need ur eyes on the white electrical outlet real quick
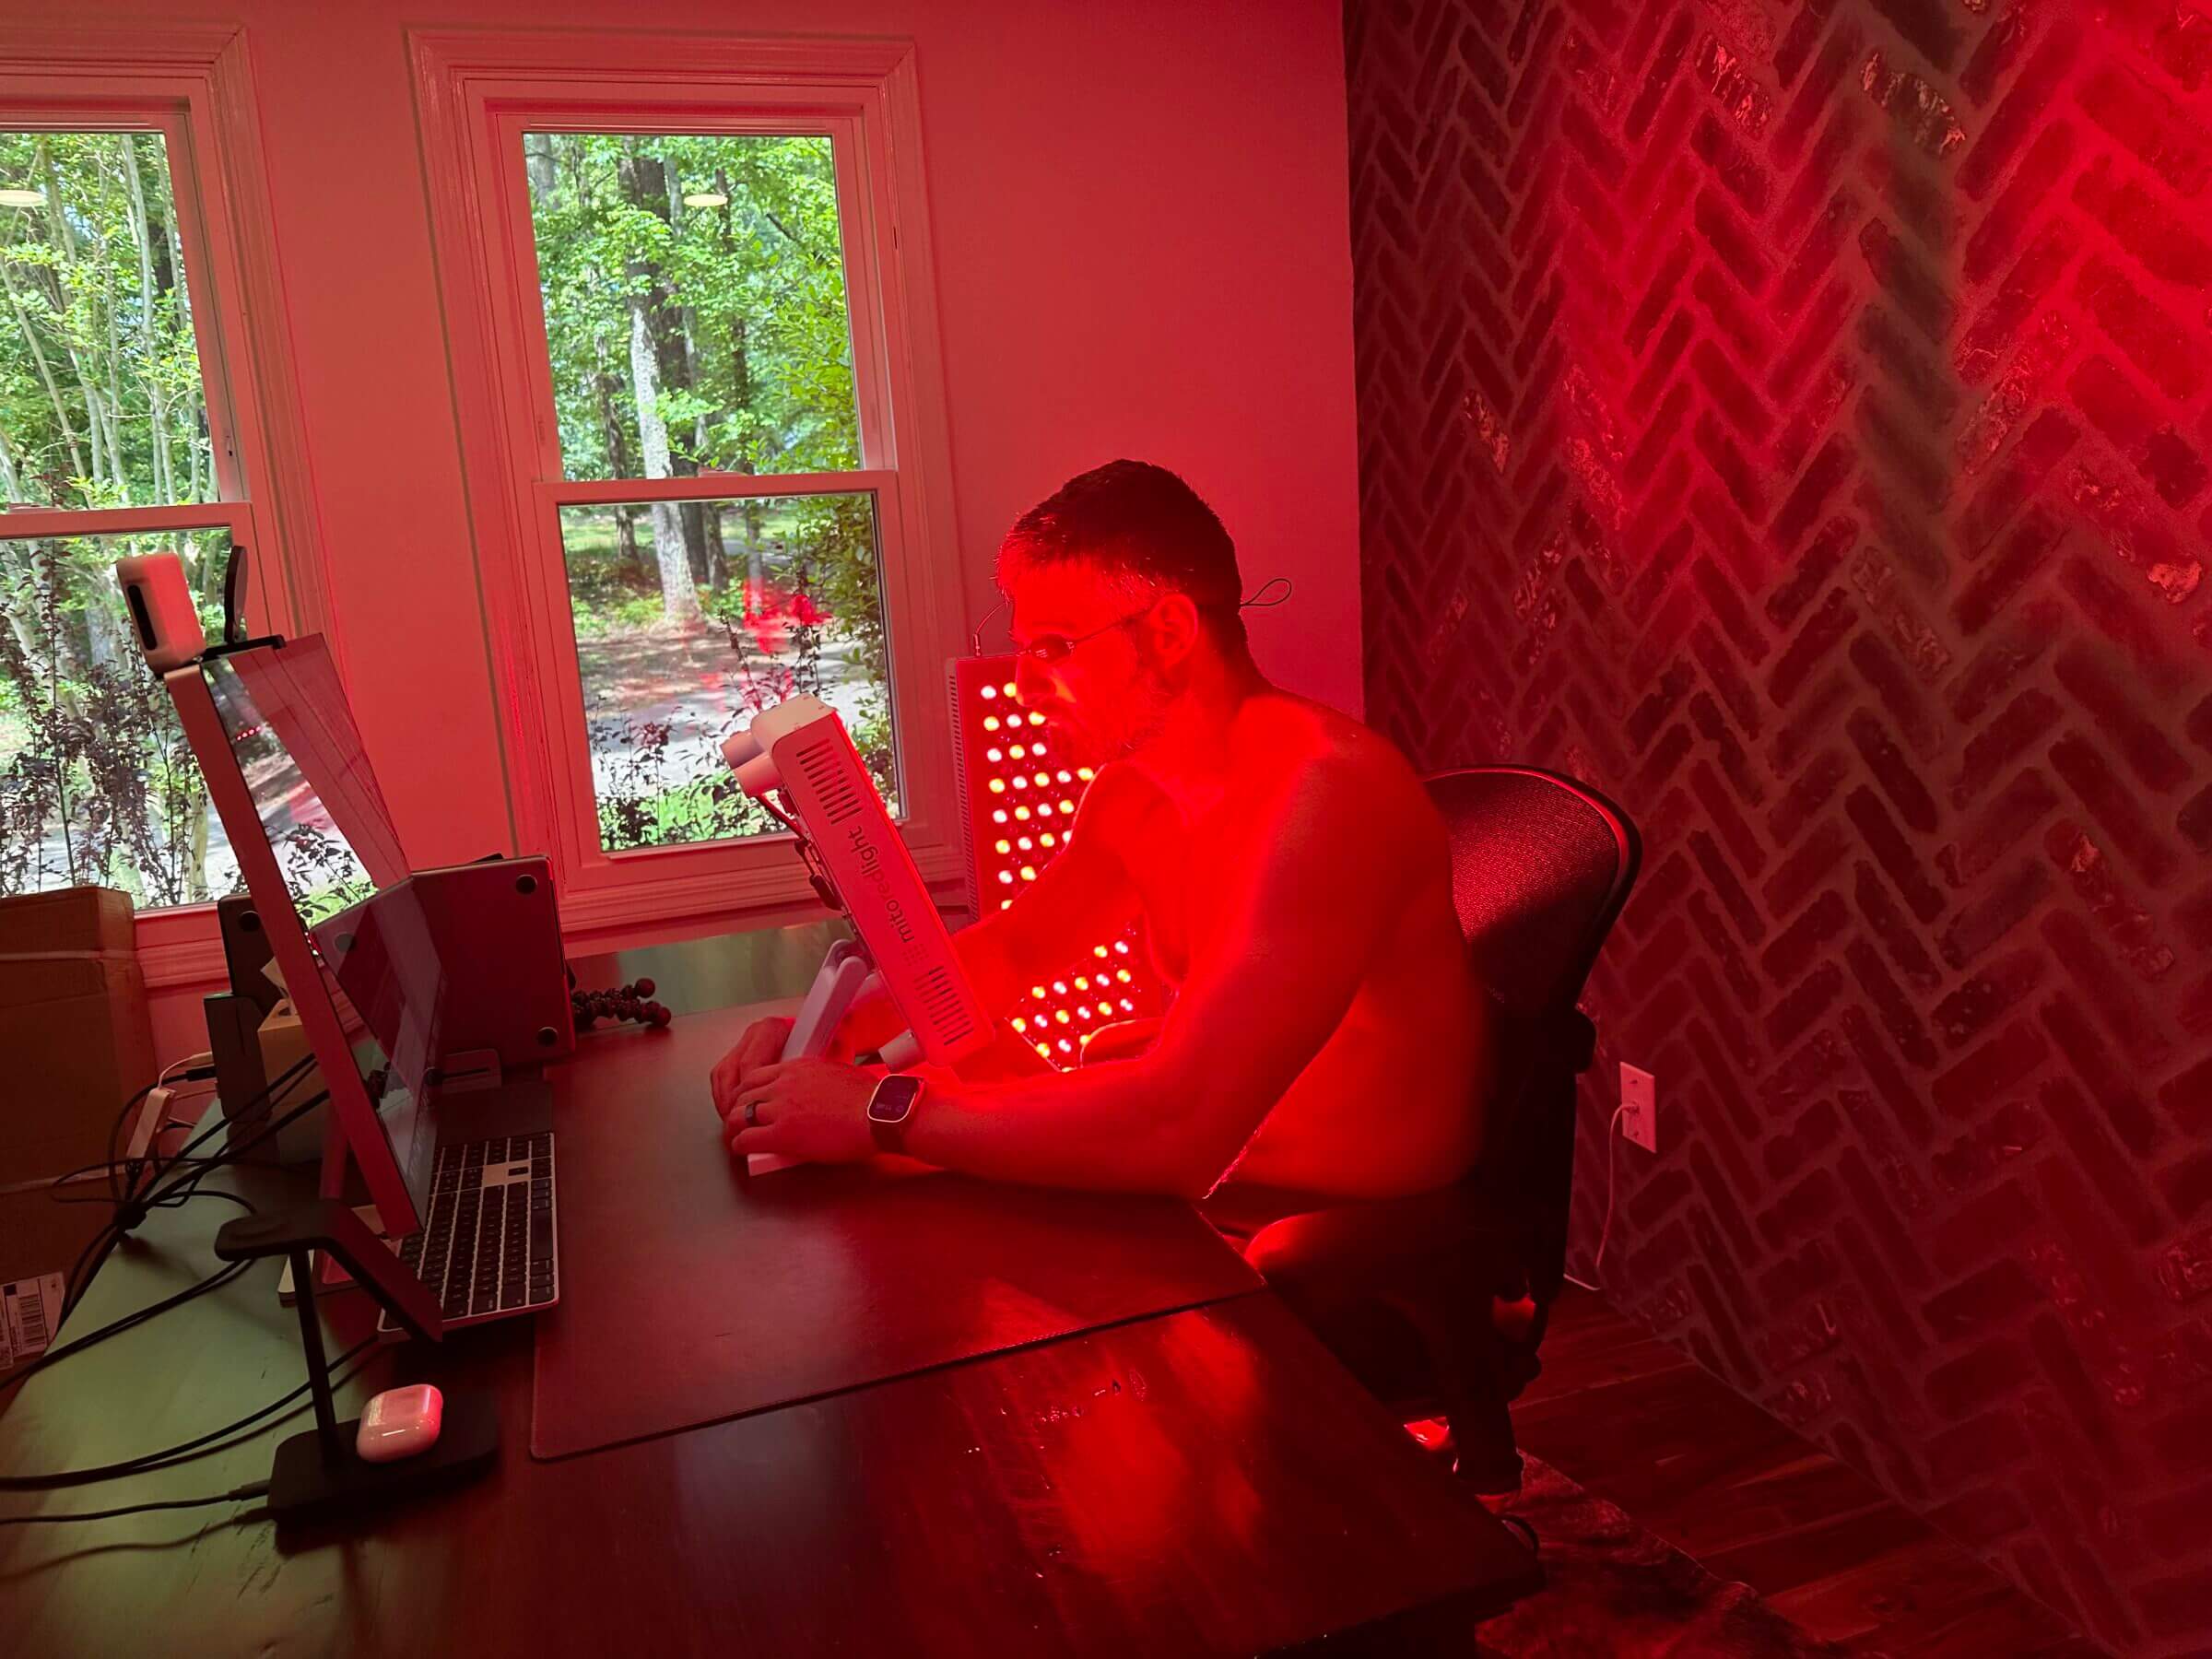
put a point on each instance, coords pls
(1640, 1107)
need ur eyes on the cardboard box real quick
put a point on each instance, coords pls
(75, 918)
(40, 1240)
(78, 1045)
(74, 1038)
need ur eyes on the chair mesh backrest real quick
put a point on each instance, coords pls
(1540, 866)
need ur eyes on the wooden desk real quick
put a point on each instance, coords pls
(1208, 1481)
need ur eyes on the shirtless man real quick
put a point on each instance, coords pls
(1326, 1037)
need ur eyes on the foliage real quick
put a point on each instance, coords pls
(745, 299)
(101, 788)
(100, 406)
(686, 336)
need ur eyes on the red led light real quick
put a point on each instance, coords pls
(1011, 843)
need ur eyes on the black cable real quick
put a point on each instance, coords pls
(235, 1495)
(187, 1186)
(214, 1281)
(130, 1212)
(147, 1461)
(266, 1100)
(133, 1211)
(129, 1166)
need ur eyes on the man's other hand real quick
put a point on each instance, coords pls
(762, 1045)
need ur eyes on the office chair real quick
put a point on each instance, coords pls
(1438, 1301)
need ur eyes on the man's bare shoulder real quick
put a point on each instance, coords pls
(1291, 746)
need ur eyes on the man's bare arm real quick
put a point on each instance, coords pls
(1329, 862)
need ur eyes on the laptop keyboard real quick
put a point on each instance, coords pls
(488, 1246)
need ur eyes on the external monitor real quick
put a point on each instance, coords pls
(275, 739)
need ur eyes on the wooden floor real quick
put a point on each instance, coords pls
(1633, 1421)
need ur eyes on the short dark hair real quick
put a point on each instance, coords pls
(1135, 519)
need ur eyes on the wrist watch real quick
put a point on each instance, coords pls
(891, 1108)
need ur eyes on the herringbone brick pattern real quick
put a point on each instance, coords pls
(1794, 418)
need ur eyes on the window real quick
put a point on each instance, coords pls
(114, 440)
(688, 303)
(693, 303)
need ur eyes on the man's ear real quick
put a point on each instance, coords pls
(1174, 626)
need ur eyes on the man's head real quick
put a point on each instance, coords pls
(1122, 585)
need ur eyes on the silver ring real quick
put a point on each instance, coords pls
(752, 1114)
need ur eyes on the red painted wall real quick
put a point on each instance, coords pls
(1794, 418)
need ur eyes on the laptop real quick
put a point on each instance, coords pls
(385, 967)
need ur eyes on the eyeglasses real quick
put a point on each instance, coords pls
(1057, 648)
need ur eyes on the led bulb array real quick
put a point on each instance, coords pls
(1021, 797)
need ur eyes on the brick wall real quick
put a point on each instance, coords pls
(1794, 418)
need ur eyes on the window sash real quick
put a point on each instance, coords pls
(183, 116)
(191, 83)
(571, 741)
(518, 231)
(479, 92)
(173, 122)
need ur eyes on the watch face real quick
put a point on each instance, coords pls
(893, 1099)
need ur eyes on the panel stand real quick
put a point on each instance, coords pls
(845, 975)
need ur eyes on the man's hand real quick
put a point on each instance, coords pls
(815, 1110)
(762, 1045)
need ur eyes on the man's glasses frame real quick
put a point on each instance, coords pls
(1055, 648)
(1058, 648)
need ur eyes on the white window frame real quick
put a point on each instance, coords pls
(193, 85)
(479, 92)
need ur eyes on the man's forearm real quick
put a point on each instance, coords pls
(1125, 1127)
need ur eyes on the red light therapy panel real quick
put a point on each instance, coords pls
(1020, 801)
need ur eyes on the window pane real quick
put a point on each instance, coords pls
(759, 599)
(100, 398)
(694, 292)
(97, 784)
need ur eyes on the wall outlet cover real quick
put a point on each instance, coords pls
(1640, 1107)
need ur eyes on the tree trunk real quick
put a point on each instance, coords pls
(679, 598)
(741, 377)
(671, 325)
(717, 556)
(165, 483)
(11, 481)
(114, 339)
(199, 447)
(538, 164)
(604, 387)
(645, 182)
(38, 356)
(196, 868)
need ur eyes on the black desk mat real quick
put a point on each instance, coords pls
(691, 1294)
